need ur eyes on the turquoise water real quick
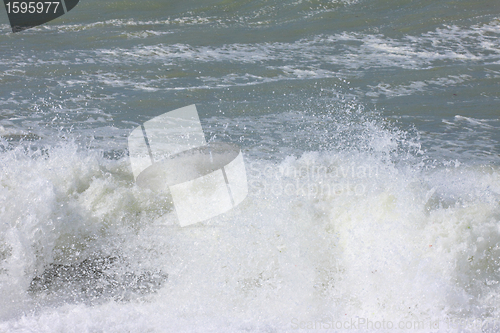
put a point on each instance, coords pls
(371, 142)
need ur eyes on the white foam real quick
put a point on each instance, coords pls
(342, 234)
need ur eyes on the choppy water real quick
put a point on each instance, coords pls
(370, 134)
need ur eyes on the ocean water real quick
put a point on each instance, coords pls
(370, 132)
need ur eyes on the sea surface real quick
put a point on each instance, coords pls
(370, 131)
